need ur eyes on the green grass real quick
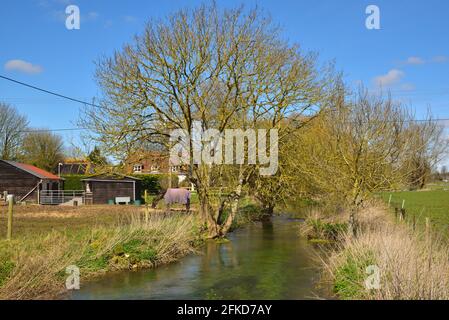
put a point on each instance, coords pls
(440, 185)
(350, 276)
(421, 204)
(326, 231)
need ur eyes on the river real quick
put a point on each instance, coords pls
(261, 261)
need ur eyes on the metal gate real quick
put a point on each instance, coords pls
(62, 197)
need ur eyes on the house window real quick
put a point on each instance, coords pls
(137, 168)
(174, 169)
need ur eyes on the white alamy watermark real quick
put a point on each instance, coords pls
(72, 282)
(211, 146)
(372, 22)
(73, 20)
(372, 282)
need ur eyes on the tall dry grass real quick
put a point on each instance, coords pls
(37, 263)
(412, 265)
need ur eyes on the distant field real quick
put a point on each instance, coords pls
(433, 204)
(438, 186)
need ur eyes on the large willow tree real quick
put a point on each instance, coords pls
(223, 68)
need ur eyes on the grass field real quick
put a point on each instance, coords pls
(433, 203)
(97, 239)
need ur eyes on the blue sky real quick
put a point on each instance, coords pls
(409, 55)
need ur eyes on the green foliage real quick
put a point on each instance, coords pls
(73, 182)
(150, 182)
(96, 157)
(421, 204)
(43, 150)
(6, 268)
(91, 260)
(136, 251)
(325, 230)
(350, 276)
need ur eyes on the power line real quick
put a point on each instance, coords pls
(98, 106)
(52, 130)
(51, 92)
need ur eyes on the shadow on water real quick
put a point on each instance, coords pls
(266, 260)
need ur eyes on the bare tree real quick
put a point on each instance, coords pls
(225, 69)
(371, 144)
(12, 127)
(430, 147)
(43, 149)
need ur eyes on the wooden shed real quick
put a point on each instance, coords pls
(26, 182)
(105, 187)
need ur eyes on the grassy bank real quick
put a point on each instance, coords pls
(33, 266)
(96, 239)
(411, 264)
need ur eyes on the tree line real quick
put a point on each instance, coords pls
(39, 147)
(19, 142)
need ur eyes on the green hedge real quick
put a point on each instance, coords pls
(151, 182)
(155, 182)
(73, 182)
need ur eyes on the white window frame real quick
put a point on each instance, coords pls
(137, 168)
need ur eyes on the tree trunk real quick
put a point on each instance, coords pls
(352, 224)
(206, 216)
(234, 205)
(269, 209)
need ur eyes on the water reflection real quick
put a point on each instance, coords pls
(262, 261)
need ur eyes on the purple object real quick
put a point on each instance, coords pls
(181, 196)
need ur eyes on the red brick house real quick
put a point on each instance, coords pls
(154, 162)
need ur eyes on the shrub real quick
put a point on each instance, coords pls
(73, 182)
(325, 230)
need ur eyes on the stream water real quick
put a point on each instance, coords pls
(261, 261)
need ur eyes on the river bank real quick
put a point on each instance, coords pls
(387, 260)
(97, 240)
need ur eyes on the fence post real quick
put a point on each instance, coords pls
(414, 222)
(389, 200)
(10, 211)
(403, 203)
(146, 206)
(402, 214)
(427, 226)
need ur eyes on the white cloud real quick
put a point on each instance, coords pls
(392, 77)
(23, 66)
(419, 60)
(415, 60)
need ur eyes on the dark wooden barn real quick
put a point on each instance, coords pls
(25, 181)
(103, 188)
